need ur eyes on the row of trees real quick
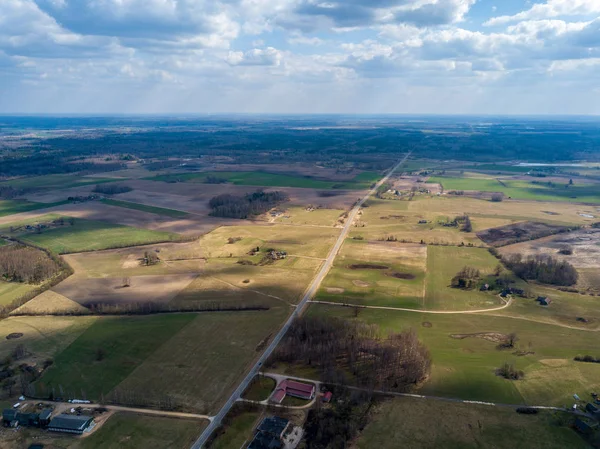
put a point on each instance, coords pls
(234, 206)
(19, 263)
(544, 269)
(337, 347)
(112, 188)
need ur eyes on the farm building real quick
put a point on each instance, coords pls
(544, 301)
(327, 397)
(13, 418)
(70, 423)
(584, 427)
(270, 433)
(593, 410)
(292, 388)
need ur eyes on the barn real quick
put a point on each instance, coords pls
(70, 423)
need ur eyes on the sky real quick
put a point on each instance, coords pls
(300, 56)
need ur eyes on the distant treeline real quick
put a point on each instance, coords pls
(234, 206)
(112, 188)
(544, 269)
(47, 164)
(20, 263)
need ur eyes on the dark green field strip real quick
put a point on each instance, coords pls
(49, 182)
(83, 235)
(144, 208)
(107, 352)
(361, 181)
(10, 207)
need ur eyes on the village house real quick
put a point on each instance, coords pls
(295, 389)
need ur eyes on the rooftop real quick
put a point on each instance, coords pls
(70, 422)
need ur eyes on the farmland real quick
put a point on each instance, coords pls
(144, 208)
(464, 365)
(10, 207)
(82, 235)
(51, 182)
(523, 190)
(264, 179)
(406, 422)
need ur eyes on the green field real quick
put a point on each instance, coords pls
(9, 291)
(465, 368)
(260, 389)
(200, 365)
(237, 431)
(144, 208)
(523, 190)
(10, 207)
(376, 287)
(443, 262)
(407, 422)
(125, 342)
(361, 181)
(128, 431)
(86, 235)
(61, 181)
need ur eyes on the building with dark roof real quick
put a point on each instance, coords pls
(70, 423)
(45, 416)
(584, 427)
(270, 433)
(14, 418)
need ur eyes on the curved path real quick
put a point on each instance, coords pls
(400, 309)
(310, 292)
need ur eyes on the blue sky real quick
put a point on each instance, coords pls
(300, 56)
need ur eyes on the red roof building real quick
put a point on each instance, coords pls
(295, 389)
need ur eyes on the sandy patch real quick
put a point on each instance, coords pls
(360, 283)
(142, 289)
(555, 362)
(495, 337)
(335, 290)
(131, 262)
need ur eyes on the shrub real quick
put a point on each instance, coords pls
(508, 371)
(466, 278)
(497, 197)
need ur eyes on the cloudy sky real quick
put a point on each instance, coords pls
(300, 56)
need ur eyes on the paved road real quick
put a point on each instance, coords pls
(216, 421)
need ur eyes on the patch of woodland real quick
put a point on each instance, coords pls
(112, 188)
(587, 359)
(251, 204)
(354, 353)
(542, 268)
(24, 264)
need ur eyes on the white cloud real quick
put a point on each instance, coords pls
(256, 57)
(550, 9)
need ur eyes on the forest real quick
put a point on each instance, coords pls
(545, 269)
(234, 206)
(339, 348)
(19, 263)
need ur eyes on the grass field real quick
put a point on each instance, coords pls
(443, 262)
(9, 291)
(307, 241)
(125, 342)
(237, 432)
(301, 216)
(361, 181)
(406, 422)
(10, 207)
(260, 389)
(42, 336)
(50, 302)
(86, 235)
(128, 431)
(465, 368)
(61, 181)
(523, 190)
(144, 208)
(201, 364)
(369, 286)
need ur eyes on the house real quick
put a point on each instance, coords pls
(14, 418)
(70, 423)
(593, 410)
(9, 417)
(327, 396)
(270, 433)
(292, 388)
(45, 416)
(544, 301)
(584, 427)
